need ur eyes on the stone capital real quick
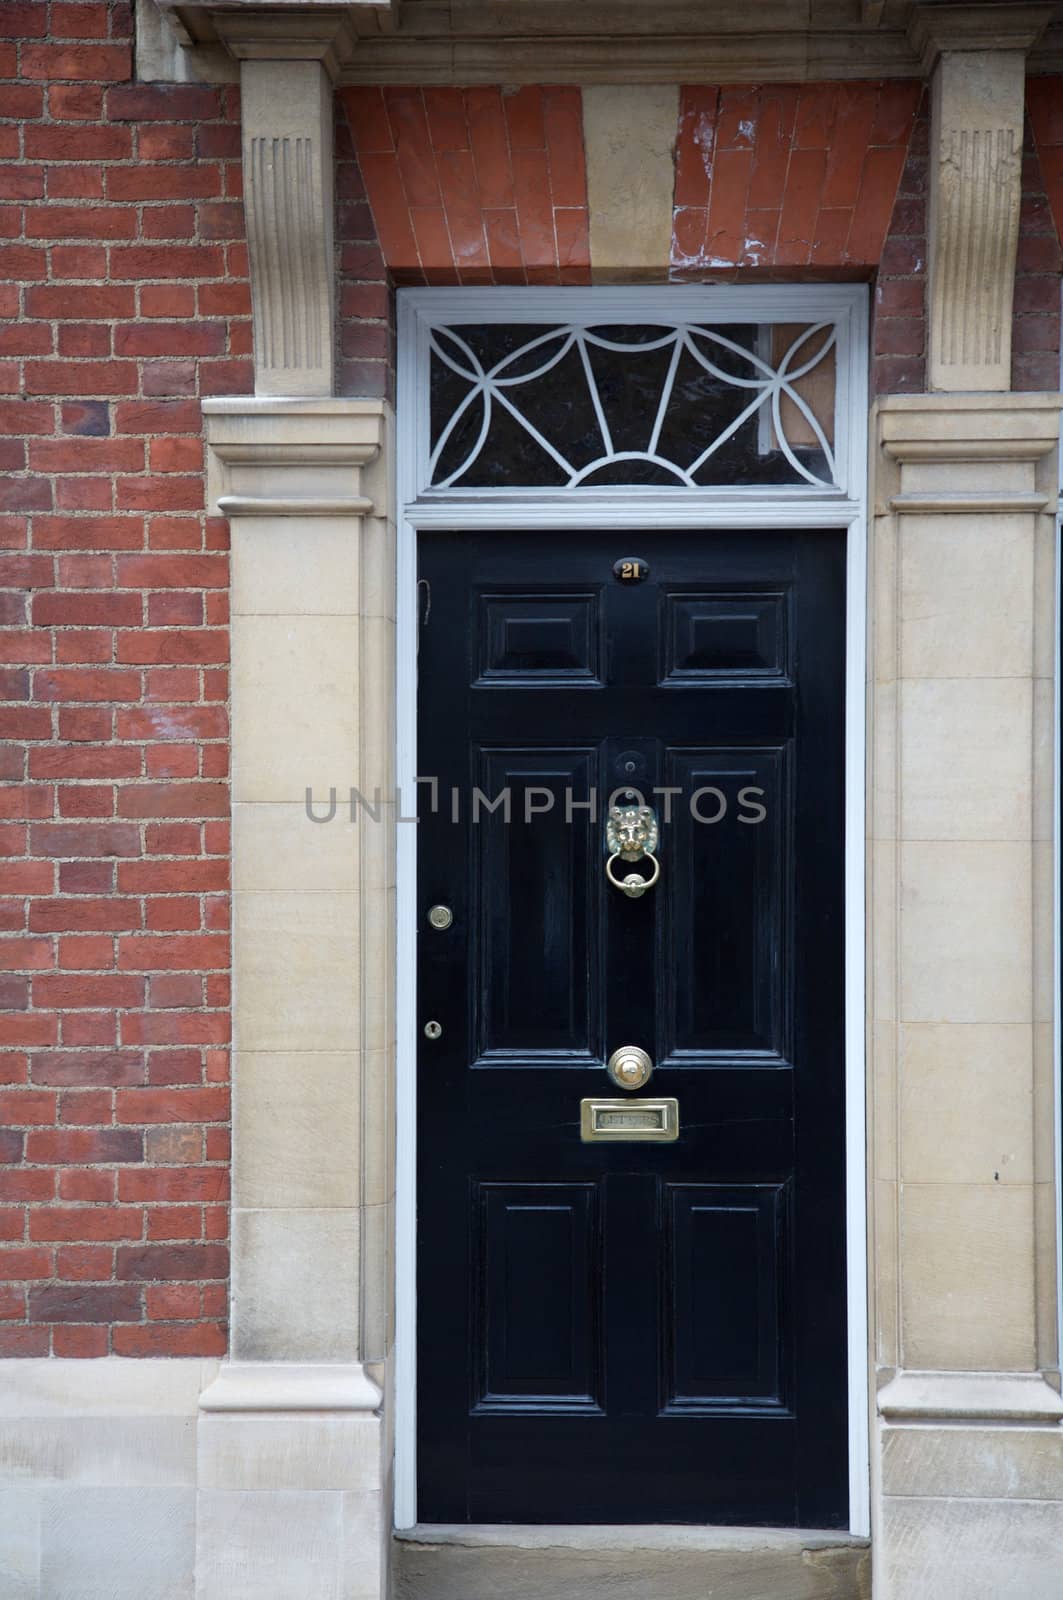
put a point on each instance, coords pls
(283, 30)
(294, 457)
(936, 29)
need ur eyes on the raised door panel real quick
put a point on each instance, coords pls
(726, 908)
(536, 908)
(711, 635)
(538, 1313)
(724, 1338)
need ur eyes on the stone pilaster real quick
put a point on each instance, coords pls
(291, 1442)
(960, 928)
(977, 57)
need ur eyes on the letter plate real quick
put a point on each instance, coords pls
(604, 1121)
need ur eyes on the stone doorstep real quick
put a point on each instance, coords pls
(439, 1562)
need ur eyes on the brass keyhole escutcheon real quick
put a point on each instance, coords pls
(629, 1067)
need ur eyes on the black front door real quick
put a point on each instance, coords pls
(614, 1331)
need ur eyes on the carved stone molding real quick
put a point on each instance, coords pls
(594, 41)
(970, 1396)
(300, 458)
(975, 195)
(935, 27)
(288, 195)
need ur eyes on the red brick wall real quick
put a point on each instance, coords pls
(125, 300)
(1035, 330)
(898, 309)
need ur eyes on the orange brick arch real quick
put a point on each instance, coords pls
(788, 176)
(475, 186)
(484, 185)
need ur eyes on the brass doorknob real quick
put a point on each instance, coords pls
(629, 1067)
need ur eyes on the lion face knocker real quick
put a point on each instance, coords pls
(631, 834)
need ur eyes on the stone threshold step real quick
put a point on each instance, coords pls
(504, 1562)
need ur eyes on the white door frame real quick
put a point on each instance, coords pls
(758, 510)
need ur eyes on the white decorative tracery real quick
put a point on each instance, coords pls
(767, 384)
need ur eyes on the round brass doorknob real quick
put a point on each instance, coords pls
(629, 1067)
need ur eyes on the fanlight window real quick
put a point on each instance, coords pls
(681, 405)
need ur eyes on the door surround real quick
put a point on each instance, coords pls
(755, 509)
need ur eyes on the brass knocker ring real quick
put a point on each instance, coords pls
(633, 885)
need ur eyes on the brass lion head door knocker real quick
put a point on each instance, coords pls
(631, 834)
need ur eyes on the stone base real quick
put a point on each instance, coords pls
(599, 1563)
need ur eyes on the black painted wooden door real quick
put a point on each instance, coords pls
(632, 1332)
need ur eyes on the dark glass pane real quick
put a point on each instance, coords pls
(611, 405)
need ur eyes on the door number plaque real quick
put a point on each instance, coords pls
(636, 1121)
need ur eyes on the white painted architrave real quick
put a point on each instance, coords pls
(757, 509)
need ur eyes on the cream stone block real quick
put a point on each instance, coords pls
(967, 1277)
(629, 132)
(1046, 1266)
(1045, 590)
(965, 932)
(994, 477)
(277, 1545)
(20, 1544)
(1045, 1155)
(882, 1095)
(884, 750)
(295, 1285)
(958, 1462)
(966, 594)
(378, 969)
(308, 1452)
(966, 758)
(377, 705)
(145, 1451)
(378, 1278)
(1044, 749)
(296, 961)
(378, 1166)
(966, 1102)
(377, 839)
(296, 1130)
(109, 1386)
(885, 1228)
(295, 705)
(117, 1544)
(1045, 974)
(969, 1550)
(883, 621)
(296, 566)
(882, 925)
(366, 1536)
(378, 565)
(283, 847)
